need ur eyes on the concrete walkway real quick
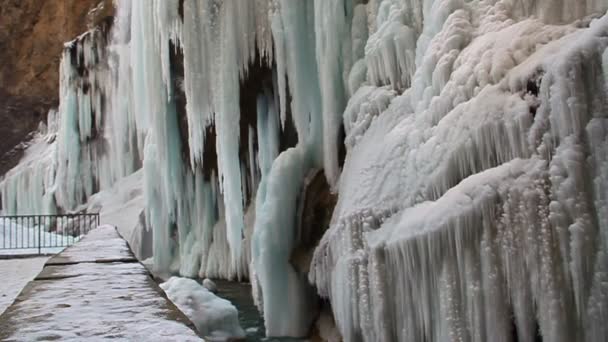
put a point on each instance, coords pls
(94, 290)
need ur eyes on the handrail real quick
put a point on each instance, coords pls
(46, 233)
(50, 215)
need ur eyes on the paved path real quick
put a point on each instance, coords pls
(15, 274)
(94, 290)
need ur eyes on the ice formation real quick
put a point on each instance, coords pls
(471, 209)
(215, 318)
(466, 141)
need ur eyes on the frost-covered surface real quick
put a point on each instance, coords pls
(443, 104)
(473, 208)
(15, 274)
(215, 318)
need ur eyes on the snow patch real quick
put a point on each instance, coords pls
(215, 318)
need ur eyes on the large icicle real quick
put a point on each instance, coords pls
(276, 280)
(334, 57)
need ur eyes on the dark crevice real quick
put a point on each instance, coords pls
(515, 331)
(176, 58)
(180, 9)
(533, 89)
(533, 110)
(289, 135)
(257, 79)
(316, 204)
(341, 146)
(85, 87)
(209, 153)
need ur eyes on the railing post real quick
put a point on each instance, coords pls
(20, 230)
(39, 239)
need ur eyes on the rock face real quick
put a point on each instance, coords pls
(32, 34)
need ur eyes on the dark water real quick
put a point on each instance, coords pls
(249, 316)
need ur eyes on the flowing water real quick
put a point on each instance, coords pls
(249, 316)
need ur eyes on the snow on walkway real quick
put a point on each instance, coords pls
(95, 290)
(15, 274)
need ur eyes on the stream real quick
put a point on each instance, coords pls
(249, 316)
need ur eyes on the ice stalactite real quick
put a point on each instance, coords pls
(333, 21)
(164, 176)
(198, 75)
(83, 73)
(277, 282)
(227, 123)
(30, 187)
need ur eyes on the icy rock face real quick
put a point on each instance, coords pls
(32, 35)
(29, 187)
(472, 208)
(215, 318)
(472, 200)
(62, 168)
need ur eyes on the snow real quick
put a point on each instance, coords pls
(95, 289)
(15, 274)
(215, 318)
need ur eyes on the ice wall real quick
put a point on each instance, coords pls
(470, 207)
(62, 168)
(168, 82)
(472, 197)
(29, 187)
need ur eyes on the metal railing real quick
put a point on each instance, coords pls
(45, 233)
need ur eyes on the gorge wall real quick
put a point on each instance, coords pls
(32, 34)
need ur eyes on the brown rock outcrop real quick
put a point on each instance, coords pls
(32, 33)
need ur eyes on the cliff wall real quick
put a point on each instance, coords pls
(32, 33)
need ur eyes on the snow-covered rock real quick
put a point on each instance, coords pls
(209, 285)
(215, 318)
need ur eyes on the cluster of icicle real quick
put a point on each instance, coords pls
(201, 224)
(474, 207)
(64, 174)
(473, 199)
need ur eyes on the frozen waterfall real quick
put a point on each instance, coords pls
(466, 142)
